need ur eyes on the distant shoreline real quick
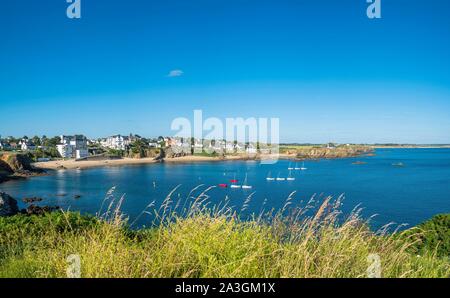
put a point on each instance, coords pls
(411, 147)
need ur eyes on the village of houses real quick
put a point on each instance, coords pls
(80, 147)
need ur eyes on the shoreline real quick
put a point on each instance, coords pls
(72, 164)
(412, 147)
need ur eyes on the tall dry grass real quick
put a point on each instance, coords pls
(192, 238)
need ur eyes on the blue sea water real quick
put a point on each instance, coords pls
(409, 194)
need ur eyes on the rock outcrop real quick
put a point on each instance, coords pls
(5, 171)
(16, 165)
(38, 210)
(31, 200)
(8, 206)
(17, 162)
(329, 153)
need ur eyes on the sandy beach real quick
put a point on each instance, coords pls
(73, 164)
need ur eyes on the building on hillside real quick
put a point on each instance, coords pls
(4, 145)
(198, 144)
(73, 146)
(154, 144)
(27, 145)
(251, 149)
(117, 142)
(81, 153)
(65, 150)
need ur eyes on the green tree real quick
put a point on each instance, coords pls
(192, 145)
(52, 142)
(36, 140)
(139, 147)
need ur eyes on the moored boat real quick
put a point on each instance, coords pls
(280, 178)
(303, 167)
(290, 178)
(245, 185)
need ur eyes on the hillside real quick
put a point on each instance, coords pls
(208, 243)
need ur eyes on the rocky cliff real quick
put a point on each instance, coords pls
(16, 165)
(329, 153)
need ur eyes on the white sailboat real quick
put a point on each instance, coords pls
(303, 167)
(270, 178)
(297, 168)
(280, 178)
(245, 185)
(290, 178)
(234, 183)
(290, 167)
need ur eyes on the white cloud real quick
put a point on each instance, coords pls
(175, 73)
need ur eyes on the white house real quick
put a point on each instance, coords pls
(81, 153)
(26, 144)
(232, 147)
(65, 150)
(117, 142)
(73, 146)
(198, 144)
(154, 145)
(251, 149)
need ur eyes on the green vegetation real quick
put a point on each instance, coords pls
(432, 235)
(206, 242)
(206, 154)
(116, 152)
(49, 152)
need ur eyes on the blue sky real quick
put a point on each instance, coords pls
(326, 70)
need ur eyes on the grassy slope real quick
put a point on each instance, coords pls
(207, 244)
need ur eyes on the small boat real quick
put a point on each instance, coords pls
(290, 167)
(297, 167)
(279, 178)
(245, 185)
(270, 178)
(234, 181)
(223, 185)
(303, 167)
(290, 178)
(399, 164)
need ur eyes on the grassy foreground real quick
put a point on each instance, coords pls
(211, 243)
